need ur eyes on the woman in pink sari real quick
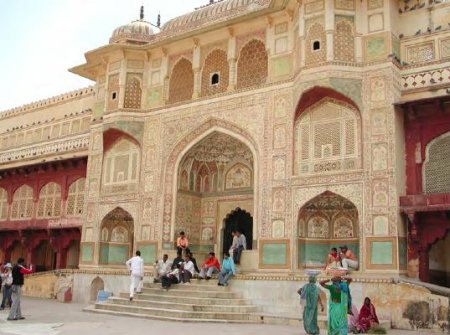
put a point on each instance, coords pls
(367, 317)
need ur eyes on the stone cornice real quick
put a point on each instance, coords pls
(45, 103)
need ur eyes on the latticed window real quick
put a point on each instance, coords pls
(133, 91)
(316, 46)
(215, 73)
(344, 42)
(3, 204)
(326, 138)
(75, 199)
(49, 204)
(252, 67)
(22, 205)
(181, 86)
(437, 180)
(121, 164)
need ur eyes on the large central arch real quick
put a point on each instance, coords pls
(174, 174)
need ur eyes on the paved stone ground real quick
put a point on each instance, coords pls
(49, 317)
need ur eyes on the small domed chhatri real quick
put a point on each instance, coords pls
(136, 32)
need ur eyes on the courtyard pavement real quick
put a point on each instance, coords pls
(49, 317)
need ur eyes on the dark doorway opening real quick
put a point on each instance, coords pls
(237, 220)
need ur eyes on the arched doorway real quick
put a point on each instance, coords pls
(17, 251)
(326, 221)
(213, 177)
(237, 220)
(116, 237)
(44, 257)
(439, 262)
(73, 254)
(97, 285)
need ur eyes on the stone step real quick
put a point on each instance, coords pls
(92, 309)
(182, 305)
(158, 295)
(194, 286)
(185, 291)
(174, 313)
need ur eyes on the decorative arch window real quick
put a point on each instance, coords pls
(344, 41)
(133, 91)
(252, 67)
(316, 40)
(75, 198)
(22, 205)
(49, 205)
(436, 161)
(3, 204)
(215, 73)
(326, 138)
(121, 167)
(181, 85)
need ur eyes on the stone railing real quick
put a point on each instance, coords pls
(80, 142)
(425, 79)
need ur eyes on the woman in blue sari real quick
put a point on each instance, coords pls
(338, 305)
(310, 294)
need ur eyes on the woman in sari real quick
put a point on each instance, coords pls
(367, 317)
(310, 294)
(337, 307)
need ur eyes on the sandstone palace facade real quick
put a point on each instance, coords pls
(308, 124)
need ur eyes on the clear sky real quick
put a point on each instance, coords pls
(41, 39)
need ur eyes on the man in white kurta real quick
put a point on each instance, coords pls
(135, 266)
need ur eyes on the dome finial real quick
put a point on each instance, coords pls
(142, 13)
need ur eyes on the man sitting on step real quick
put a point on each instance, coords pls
(177, 260)
(161, 268)
(228, 269)
(210, 265)
(172, 277)
(187, 270)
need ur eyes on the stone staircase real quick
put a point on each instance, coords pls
(200, 301)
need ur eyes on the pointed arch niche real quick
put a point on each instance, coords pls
(116, 237)
(324, 222)
(327, 133)
(217, 170)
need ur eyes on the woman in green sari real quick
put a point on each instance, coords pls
(337, 307)
(310, 294)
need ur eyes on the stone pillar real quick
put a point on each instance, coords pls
(360, 23)
(197, 83)
(424, 266)
(122, 83)
(329, 29)
(233, 74)
(302, 35)
(232, 61)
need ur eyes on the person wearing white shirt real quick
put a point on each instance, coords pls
(241, 245)
(161, 268)
(135, 266)
(188, 270)
(172, 277)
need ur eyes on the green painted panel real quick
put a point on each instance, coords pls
(87, 250)
(314, 254)
(99, 109)
(351, 88)
(148, 253)
(376, 47)
(381, 253)
(113, 254)
(274, 254)
(104, 253)
(168, 246)
(282, 67)
(153, 97)
(118, 254)
(402, 252)
(205, 248)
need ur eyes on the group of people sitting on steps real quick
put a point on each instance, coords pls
(182, 270)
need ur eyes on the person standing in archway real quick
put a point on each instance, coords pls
(135, 266)
(234, 243)
(241, 245)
